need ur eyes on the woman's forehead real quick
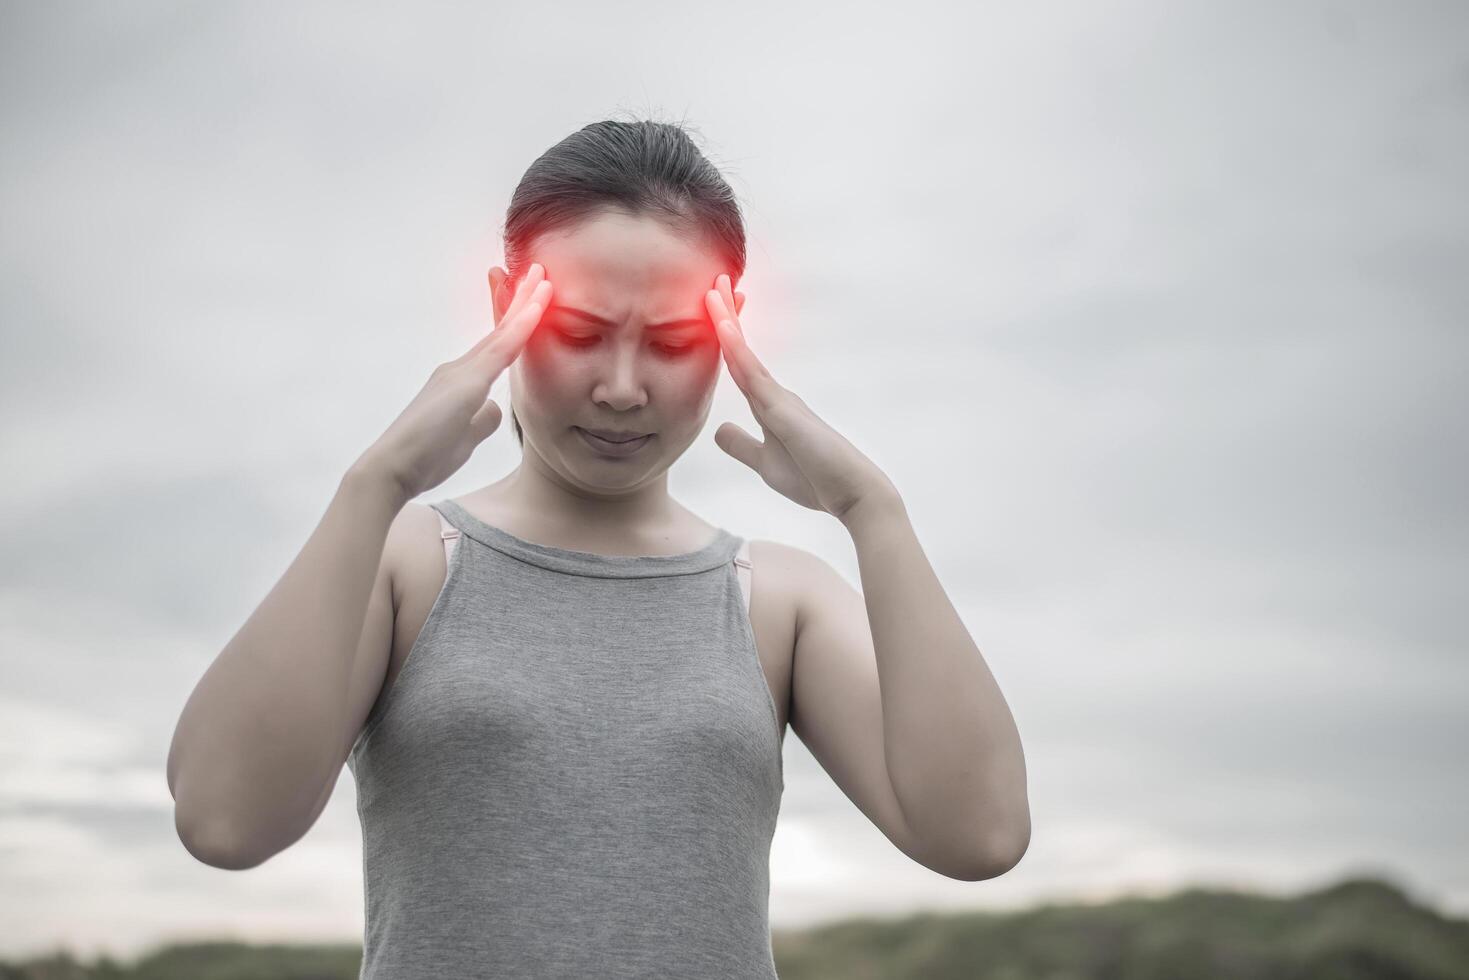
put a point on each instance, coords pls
(630, 287)
(612, 257)
(593, 310)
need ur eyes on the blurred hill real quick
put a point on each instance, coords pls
(1358, 929)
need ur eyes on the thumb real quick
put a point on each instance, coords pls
(739, 444)
(485, 421)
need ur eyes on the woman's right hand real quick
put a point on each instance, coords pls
(453, 414)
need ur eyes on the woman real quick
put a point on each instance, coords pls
(567, 692)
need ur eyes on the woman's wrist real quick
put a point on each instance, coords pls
(368, 476)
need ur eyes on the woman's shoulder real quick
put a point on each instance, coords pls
(413, 549)
(802, 576)
(783, 567)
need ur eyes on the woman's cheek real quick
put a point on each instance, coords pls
(542, 370)
(549, 355)
(699, 381)
(706, 361)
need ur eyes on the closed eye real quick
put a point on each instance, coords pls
(576, 341)
(668, 350)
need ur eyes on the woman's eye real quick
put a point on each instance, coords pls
(669, 350)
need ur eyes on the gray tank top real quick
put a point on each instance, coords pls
(576, 772)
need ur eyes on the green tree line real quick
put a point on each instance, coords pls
(1357, 929)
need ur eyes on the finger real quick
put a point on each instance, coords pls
(739, 444)
(485, 421)
(729, 341)
(753, 374)
(721, 305)
(754, 380)
(760, 389)
(720, 310)
(509, 340)
(714, 303)
(533, 277)
(726, 293)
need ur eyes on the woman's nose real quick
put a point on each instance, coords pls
(621, 386)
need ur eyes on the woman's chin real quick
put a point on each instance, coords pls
(611, 469)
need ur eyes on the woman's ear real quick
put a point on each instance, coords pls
(499, 294)
(739, 302)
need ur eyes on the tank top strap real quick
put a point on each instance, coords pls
(743, 567)
(717, 553)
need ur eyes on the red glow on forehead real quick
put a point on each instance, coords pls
(677, 301)
(592, 318)
(773, 305)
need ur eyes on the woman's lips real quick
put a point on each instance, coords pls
(608, 448)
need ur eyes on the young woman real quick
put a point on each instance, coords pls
(563, 695)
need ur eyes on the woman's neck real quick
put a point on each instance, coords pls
(537, 504)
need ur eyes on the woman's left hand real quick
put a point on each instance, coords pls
(802, 457)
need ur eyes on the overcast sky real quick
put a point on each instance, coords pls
(1154, 314)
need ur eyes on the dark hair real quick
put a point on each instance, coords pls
(639, 167)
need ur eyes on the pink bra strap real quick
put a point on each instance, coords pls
(743, 570)
(450, 534)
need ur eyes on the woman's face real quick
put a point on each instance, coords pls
(621, 371)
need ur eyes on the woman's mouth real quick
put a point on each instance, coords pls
(609, 448)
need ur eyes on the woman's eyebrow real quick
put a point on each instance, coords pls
(600, 321)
